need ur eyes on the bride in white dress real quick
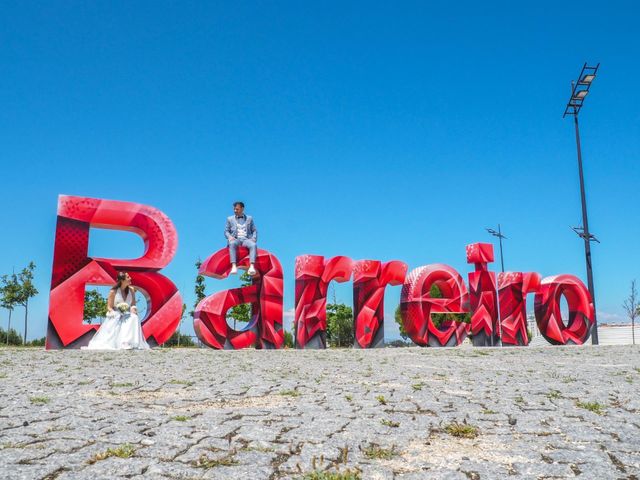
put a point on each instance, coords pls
(121, 329)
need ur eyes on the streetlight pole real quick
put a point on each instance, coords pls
(579, 91)
(500, 237)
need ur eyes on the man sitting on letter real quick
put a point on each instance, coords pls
(240, 231)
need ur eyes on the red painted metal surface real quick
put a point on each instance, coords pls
(370, 278)
(483, 300)
(313, 274)
(417, 305)
(73, 269)
(549, 317)
(265, 295)
(513, 288)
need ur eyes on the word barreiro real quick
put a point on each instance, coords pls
(497, 303)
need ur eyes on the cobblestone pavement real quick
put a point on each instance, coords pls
(405, 413)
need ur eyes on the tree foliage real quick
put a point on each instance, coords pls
(179, 340)
(13, 338)
(339, 325)
(632, 307)
(241, 313)
(398, 319)
(9, 296)
(288, 340)
(95, 306)
(199, 287)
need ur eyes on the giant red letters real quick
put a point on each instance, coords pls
(547, 308)
(512, 293)
(370, 277)
(73, 269)
(265, 295)
(482, 296)
(417, 305)
(313, 275)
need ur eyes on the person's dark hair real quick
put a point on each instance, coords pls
(238, 203)
(122, 276)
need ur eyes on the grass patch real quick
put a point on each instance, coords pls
(180, 418)
(594, 407)
(374, 451)
(346, 475)
(120, 385)
(39, 400)
(206, 462)
(349, 397)
(181, 382)
(123, 451)
(389, 423)
(554, 394)
(381, 400)
(290, 393)
(461, 430)
(417, 386)
(488, 411)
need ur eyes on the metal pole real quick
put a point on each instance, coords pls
(587, 237)
(501, 257)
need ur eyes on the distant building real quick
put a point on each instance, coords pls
(608, 334)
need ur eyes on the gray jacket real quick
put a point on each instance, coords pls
(231, 228)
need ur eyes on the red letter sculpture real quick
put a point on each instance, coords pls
(482, 297)
(512, 297)
(549, 318)
(370, 277)
(313, 275)
(417, 305)
(265, 295)
(73, 269)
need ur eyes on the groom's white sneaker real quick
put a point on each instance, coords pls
(234, 269)
(251, 271)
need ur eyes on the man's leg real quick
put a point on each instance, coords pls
(233, 252)
(251, 245)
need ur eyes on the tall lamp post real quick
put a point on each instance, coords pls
(500, 236)
(579, 90)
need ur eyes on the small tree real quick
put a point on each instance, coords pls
(339, 325)
(288, 340)
(27, 291)
(11, 337)
(632, 308)
(9, 296)
(95, 306)
(199, 287)
(398, 318)
(241, 313)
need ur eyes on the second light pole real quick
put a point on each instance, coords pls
(500, 237)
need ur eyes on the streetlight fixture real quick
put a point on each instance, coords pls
(500, 236)
(579, 91)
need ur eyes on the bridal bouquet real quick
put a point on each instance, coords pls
(123, 307)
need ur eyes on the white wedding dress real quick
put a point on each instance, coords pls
(119, 331)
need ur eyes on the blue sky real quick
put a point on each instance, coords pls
(396, 130)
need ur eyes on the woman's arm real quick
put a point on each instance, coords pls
(134, 308)
(110, 299)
